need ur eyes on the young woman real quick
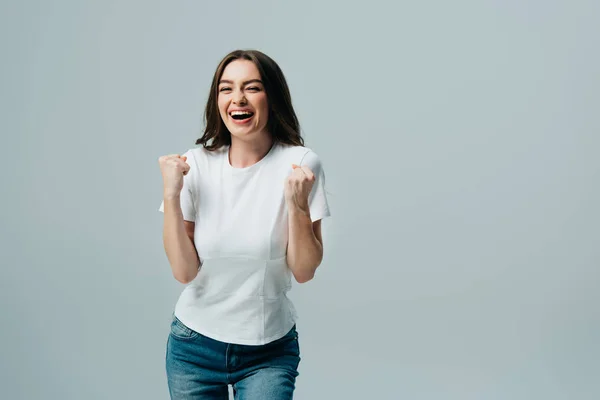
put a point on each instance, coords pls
(242, 214)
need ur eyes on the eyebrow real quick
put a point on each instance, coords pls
(244, 83)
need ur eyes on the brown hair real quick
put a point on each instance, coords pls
(282, 121)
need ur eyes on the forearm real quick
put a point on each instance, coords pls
(305, 252)
(180, 250)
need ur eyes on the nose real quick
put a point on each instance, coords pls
(239, 98)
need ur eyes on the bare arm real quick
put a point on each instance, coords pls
(305, 246)
(178, 240)
(178, 234)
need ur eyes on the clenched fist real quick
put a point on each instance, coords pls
(173, 167)
(297, 188)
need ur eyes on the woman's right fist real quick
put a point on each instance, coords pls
(173, 167)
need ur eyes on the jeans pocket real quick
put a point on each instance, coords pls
(182, 332)
(293, 333)
(291, 343)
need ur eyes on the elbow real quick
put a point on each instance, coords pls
(183, 280)
(304, 277)
(304, 270)
(185, 277)
(305, 274)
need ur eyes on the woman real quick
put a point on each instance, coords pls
(242, 214)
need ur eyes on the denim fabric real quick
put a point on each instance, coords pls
(199, 367)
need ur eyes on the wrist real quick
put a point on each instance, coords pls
(296, 211)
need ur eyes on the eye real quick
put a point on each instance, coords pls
(224, 88)
(254, 89)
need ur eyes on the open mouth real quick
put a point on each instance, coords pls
(241, 116)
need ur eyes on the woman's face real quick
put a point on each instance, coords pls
(242, 100)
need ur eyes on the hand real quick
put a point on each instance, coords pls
(173, 168)
(297, 188)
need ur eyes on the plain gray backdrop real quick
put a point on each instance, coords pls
(461, 149)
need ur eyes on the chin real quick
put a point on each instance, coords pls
(244, 132)
(237, 131)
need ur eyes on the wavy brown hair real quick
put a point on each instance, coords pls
(282, 122)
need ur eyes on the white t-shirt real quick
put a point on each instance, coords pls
(241, 234)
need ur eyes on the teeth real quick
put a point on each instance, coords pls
(240, 113)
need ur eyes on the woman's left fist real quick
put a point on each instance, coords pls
(298, 186)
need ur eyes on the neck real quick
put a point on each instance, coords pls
(244, 154)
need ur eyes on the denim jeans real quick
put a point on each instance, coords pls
(199, 367)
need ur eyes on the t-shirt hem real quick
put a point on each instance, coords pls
(235, 340)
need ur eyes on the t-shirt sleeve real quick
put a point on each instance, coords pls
(187, 197)
(317, 199)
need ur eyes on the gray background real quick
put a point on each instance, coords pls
(460, 142)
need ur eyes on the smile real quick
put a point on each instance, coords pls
(241, 117)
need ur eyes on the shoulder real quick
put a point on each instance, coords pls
(200, 156)
(297, 154)
(202, 162)
(300, 155)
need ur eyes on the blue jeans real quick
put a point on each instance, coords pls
(199, 367)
